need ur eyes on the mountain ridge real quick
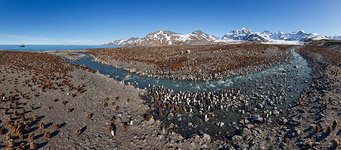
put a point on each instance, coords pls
(198, 37)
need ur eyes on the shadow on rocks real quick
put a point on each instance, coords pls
(27, 111)
(38, 136)
(83, 129)
(332, 148)
(62, 125)
(308, 129)
(38, 119)
(33, 129)
(41, 145)
(55, 133)
(323, 136)
(338, 132)
(48, 125)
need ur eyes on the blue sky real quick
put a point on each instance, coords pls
(100, 21)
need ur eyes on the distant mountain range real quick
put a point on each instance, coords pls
(168, 38)
(163, 37)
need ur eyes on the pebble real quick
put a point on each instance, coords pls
(221, 124)
(206, 137)
(151, 121)
(245, 132)
(190, 124)
(275, 112)
(237, 139)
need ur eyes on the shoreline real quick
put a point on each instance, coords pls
(153, 70)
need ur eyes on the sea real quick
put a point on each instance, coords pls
(51, 47)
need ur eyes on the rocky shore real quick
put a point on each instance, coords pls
(314, 121)
(47, 103)
(317, 117)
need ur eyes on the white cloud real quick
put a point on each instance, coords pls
(25, 39)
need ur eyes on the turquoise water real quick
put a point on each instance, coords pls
(50, 47)
(277, 86)
(295, 71)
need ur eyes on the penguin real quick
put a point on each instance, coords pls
(31, 137)
(47, 135)
(78, 132)
(33, 146)
(42, 125)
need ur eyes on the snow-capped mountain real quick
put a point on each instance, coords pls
(336, 37)
(273, 36)
(124, 42)
(164, 37)
(304, 37)
(246, 34)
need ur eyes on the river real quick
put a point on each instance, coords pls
(266, 92)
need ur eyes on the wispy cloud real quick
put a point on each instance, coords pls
(25, 39)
